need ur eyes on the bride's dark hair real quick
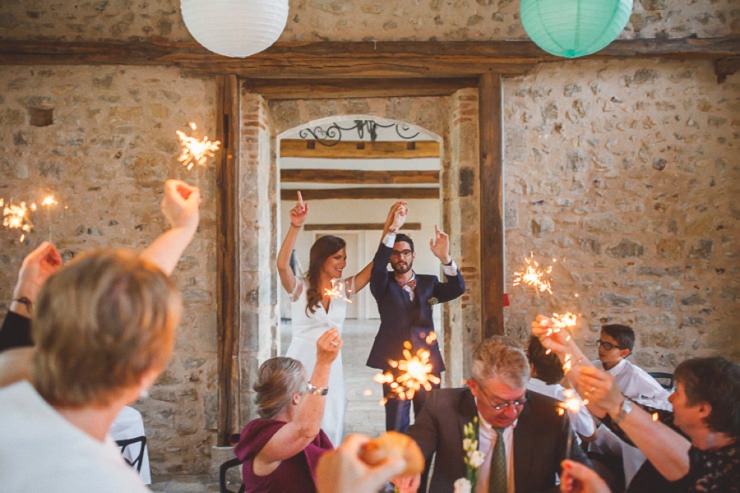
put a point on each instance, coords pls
(322, 249)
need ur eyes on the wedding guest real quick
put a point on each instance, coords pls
(103, 327)
(617, 460)
(521, 434)
(706, 407)
(546, 375)
(280, 450)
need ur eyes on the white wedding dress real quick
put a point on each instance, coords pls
(305, 332)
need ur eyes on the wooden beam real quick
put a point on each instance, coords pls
(359, 150)
(356, 88)
(363, 193)
(227, 260)
(491, 218)
(344, 176)
(332, 60)
(357, 227)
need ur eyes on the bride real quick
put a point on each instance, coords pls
(319, 302)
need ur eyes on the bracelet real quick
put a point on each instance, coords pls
(24, 300)
(318, 391)
(294, 226)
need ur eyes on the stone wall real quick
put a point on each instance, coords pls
(105, 157)
(349, 20)
(627, 173)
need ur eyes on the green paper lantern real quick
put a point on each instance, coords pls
(573, 28)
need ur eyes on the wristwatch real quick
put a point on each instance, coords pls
(624, 409)
(314, 390)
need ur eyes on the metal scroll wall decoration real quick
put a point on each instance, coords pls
(333, 134)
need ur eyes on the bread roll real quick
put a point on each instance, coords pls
(392, 445)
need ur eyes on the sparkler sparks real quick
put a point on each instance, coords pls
(413, 373)
(336, 290)
(194, 151)
(534, 276)
(571, 403)
(17, 217)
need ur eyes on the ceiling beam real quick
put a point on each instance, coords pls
(359, 149)
(362, 193)
(371, 59)
(344, 176)
(272, 89)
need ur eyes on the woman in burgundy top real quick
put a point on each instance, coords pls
(279, 451)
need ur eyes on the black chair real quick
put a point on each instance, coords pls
(137, 462)
(222, 471)
(665, 379)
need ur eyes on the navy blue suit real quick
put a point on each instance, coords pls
(404, 320)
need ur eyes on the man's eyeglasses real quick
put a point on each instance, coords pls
(502, 405)
(402, 253)
(608, 345)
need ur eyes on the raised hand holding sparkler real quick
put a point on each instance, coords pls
(36, 268)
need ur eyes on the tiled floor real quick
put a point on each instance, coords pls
(364, 412)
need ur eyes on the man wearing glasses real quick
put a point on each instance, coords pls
(405, 302)
(615, 344)
(522, 435)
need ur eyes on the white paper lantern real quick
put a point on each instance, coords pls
(235, 28)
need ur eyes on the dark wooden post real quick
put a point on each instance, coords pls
(227, 241)
(491, 217)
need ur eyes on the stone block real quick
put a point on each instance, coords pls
(613, 299)
(701, 250)
(626, 248)
(662, 299)
(543, 225)
(670, 248)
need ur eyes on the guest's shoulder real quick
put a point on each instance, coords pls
(255, 435)
(541, 402)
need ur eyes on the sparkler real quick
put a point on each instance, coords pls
(336, 291)
(534, 276)
(572, 405)
(48, 202)
(17, 217)
(411, 374)
(194, 151)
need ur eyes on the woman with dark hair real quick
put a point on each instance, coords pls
(319, 302)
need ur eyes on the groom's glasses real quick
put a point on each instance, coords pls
(402, 253)
(502, 405)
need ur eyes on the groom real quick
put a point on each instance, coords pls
(405, 300)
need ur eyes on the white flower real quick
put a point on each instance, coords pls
(476, 458)
(467, 444)
(462, 485)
